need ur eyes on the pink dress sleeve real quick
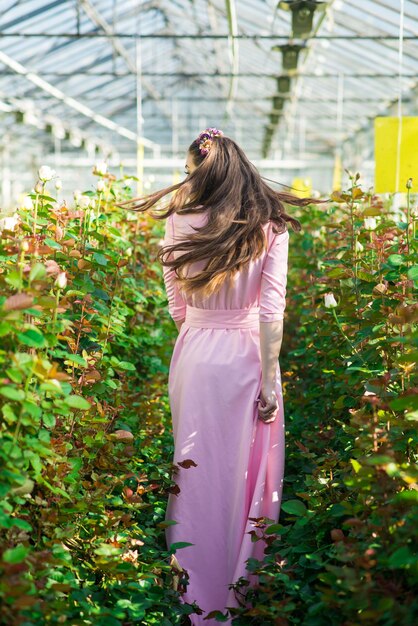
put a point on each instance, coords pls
(176, 303)
(274, 279)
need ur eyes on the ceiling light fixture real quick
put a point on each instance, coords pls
(303, 12)
(290, 55)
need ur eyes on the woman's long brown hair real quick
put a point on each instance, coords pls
(239, 203)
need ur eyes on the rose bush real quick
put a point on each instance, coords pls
(85, 346)
(345, 550)
(85, 438)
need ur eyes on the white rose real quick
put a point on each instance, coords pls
(61, 280)
(58, 184)
(77, 195)
(100, 185)
(84, 202)
(39, 187)
(9, 223)
(101, 167)
(370, 223)
(359, 247)
(330, 301)
(45, 173)
(26, 203)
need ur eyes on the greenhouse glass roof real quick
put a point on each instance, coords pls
(88, 72)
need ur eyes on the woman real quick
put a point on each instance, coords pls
(225, 272)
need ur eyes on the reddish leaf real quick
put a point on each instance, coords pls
(187, 463)
(123, 435)
(337, 535)
(18, 301)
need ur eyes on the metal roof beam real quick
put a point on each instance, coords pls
(213, 75)
(254, 37)
(120, 49)
(31, 14)
(175, 163)
(274, 75)
(72, 102)
(249, 102)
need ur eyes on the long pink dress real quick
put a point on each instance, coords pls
(214, 383)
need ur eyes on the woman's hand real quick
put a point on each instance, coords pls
(267, 404)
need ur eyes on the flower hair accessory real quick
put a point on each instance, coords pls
(205, 139)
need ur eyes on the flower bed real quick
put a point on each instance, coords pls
(85, 347)
(345, 551)
(85, 439)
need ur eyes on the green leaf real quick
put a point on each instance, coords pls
(33, 409)
(49, 420)
(71, 358)
(179, 544)
(15, 374)
(339, 272)
(413, 272)
(36, 463)
(8, 413)
(101, 294)
(125, 365)
(405, 402)
(12, 393)
(5, 328)
(47, 198)
(13, 279)
(37, 272)
(23, 524)
(52, 387)
(413, 416)
(77, 402)
(111, 383)
(100, 258)
(402, 557)
(274, 529)
(396, 259)
(77, 359)
(218, 616)
(15, 555)
(366, 276)
(54, 488)
(113, 231)
(32, 338)
(53, 244)
(107, 550)
(294, 507)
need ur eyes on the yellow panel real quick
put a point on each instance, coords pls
(338, 172)
(385, 151)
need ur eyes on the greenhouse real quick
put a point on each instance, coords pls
(237, 444)
(110, 79)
